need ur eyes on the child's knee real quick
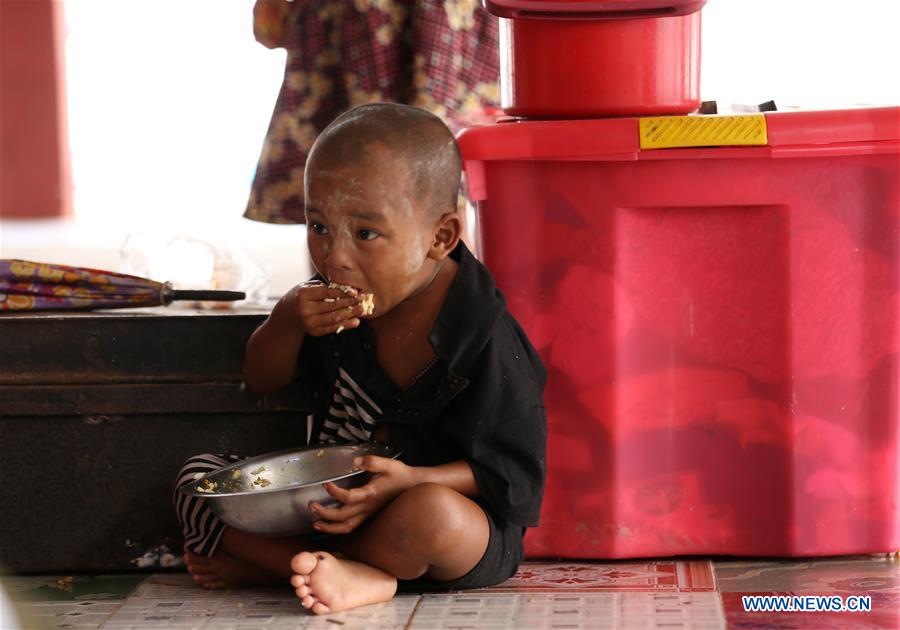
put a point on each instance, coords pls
(432, 495)
(430, 513)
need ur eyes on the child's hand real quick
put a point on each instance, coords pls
(268, 22)
(317, 309)
(390, 478)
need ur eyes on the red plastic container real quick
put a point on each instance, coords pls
(720, 327)
(591, 58)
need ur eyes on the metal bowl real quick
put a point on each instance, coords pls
(270, 494)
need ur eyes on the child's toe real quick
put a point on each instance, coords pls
(308, 601)
(320, 609)
(303, 563)
(195, 562)
(299, 580)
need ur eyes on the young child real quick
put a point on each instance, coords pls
(440, 370)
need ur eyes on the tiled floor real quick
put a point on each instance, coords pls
(629, 594)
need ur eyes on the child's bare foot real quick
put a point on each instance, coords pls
(327, 584)
(224, 571)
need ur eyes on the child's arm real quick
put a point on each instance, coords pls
(391, 477)
(455, 475)
(307, 309)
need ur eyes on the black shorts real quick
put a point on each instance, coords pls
(500, 561)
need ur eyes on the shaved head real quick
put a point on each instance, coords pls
(388, 135)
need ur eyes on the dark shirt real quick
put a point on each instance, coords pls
(481, 401)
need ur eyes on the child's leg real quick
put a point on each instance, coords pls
(221, 570)
(218, 556)
(270, 554)
(244, 559)
(429, 530)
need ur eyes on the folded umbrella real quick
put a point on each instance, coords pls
(35, 286)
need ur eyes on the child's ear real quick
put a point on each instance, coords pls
(447, 232)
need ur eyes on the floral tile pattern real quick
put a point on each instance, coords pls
(645, 594)
(651, 575)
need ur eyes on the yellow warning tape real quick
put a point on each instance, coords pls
(703, 131)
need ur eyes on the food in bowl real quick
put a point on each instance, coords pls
(206, 485)
(270, 494)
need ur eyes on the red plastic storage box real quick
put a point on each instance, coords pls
(720, 326)
(598, 58)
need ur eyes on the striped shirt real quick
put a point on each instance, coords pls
(352, 415)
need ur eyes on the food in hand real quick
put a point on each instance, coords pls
(367, 299)
(368, 303)
(343, 287)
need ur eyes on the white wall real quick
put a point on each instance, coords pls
(811, 53)
(168, 104)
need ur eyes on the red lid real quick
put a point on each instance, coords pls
(834, 132)
(864, 131)
(591, 9)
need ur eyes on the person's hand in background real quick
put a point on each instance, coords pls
(269, 18)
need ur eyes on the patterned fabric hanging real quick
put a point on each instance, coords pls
(441, 55)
